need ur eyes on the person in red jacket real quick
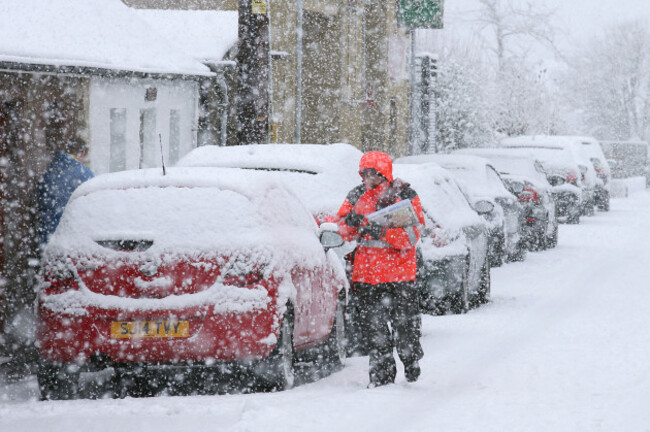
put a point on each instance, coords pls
(384, 270)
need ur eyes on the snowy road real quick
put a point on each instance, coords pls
(564, 346)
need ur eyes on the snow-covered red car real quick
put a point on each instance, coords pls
(153, 274)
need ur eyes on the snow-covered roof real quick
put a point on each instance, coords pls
(206, 35)
(321, 175)
(104, 34)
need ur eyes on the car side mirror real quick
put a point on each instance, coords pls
(556, 180)
(483, 207)
(331, 239)
(329, 236)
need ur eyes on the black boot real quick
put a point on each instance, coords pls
(412, 371)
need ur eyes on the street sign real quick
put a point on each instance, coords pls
(259, 7)
(421, 14)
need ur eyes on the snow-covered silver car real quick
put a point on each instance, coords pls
(589, 181)
(454, 265)
(488, 195)
(524, 175)
(564, 176)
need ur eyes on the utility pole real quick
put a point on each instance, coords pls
(253, 72)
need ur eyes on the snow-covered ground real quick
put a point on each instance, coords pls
(564, 346)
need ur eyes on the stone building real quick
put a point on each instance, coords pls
(353, 64)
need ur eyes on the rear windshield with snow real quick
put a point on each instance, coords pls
(183, 218)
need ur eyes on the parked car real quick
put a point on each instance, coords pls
(591, 184)
(321, 175)
(189, 272)
(454, 265)
(489, 196)
(563, 174)
(593, 150)
(524, 175)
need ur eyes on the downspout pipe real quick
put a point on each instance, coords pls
(220, 68)
(299, 7)
(223, 86)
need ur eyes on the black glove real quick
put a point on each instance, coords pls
(354, 219)
(373, 230)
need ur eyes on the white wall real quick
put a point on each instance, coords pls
(126, 97)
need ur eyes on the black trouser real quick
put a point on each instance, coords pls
(395, 304)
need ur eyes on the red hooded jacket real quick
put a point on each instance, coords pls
(391, 258)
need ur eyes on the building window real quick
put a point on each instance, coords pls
(117, 150)
(174, 136)
(149, 151)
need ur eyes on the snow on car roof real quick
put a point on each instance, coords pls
(552, 159)
(573, 144)
(470, 171)
(507, 161)
(441, 198)
(321, 175)
(189, 211)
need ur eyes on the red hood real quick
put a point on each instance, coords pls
(380, 161)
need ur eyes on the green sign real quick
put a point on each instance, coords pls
(421, 14)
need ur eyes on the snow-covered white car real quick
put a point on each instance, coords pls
(563, 174)
(160, 276)
(592, 185)
(489, 196)
(524, 175)
(454, 265)
(321, 175)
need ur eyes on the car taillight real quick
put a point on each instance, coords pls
(55, 286)
(529, 195)
(58, 282)
(572, 177)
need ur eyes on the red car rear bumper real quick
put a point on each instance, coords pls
(74, 338)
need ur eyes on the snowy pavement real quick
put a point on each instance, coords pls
(564, 346)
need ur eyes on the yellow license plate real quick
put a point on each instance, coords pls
(149, 329)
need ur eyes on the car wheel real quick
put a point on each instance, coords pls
(520, 253)
(590, 210)
(604, 203)
(335, 348)
(551, 241)
(460, 300)
(496, 252)
(541, 241)
(574, 217)
(57, 381)
(485, 287)
(277, 370)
